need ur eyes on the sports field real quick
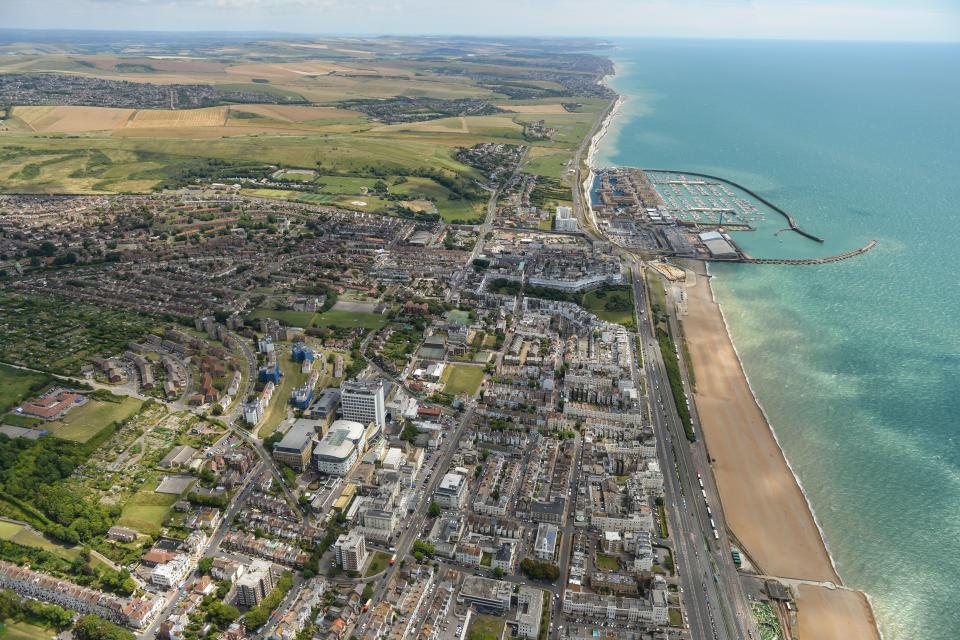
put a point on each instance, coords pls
(462, 378)
(84, 422)
(342, 318)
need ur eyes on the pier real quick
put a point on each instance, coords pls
(790, 221)
(797, 261)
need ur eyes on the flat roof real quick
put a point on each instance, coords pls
(298, 437)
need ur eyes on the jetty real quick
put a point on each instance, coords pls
(798, 261)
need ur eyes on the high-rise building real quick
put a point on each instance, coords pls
(351, 550)
(254, 585)
(362, 401)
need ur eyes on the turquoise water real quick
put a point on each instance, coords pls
(856, 363)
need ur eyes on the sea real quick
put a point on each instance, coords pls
(856, 363)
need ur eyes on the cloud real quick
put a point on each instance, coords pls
(798, 19)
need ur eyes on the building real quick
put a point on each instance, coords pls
(452, 491)
(339, 450)
(619, 608)
(132, 612)
(171, 574)
(351, 551)
(122, 534)
(529, 612)
(503, 558)
(545, 547)
(324, 408)
(295, 448)
(718, 244)
(565, 220)
(487, 594)
(469, 555)
(255, 584)
(551, 512)
(363, 401)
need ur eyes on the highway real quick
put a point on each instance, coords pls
(713, 599)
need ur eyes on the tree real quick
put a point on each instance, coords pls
(498, 573)
(91, 627)
(434, 510)
(204, 566)
(220, 614)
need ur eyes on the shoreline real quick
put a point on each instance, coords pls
(773, 433)
(832, 610)
(756, 513)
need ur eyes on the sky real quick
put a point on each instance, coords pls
(911, 20)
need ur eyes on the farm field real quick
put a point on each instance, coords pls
(462, 378)
(72, 119)
(159, 118)
(16, 385)
(84, 422)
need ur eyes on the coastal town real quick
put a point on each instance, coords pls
(246, 403)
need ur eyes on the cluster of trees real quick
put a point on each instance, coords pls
(30, 471)
(96, 628)
(13, 607)
(257, 617)
(423, 549)
(539, 570)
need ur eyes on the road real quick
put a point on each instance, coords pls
(713, 597)
(415, 528)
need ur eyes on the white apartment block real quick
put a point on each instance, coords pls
(363, 402)
(351, 551)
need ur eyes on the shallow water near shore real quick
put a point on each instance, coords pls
(857, 363)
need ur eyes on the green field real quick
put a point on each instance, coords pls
(287, 317)
(22, 535)
(462, 378)
(25, 631)
(379, 561)
(146, 510)
(277, 410)
(484, 627)
(607, 562)
(16, 385)
(17, 420)
(350, 319)
(84, 422)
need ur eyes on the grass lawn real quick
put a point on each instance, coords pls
(676, 620)
(484, 627)
(22, 535)
(25, 631)
(379, 561)
(277, 410)
(146, 510)
(613, 304)
(15, 385)
(287, 317)
(17, 420)
(343, 318)
(462, 378)
(84, 422)
(608, 563)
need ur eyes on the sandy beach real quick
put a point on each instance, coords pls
(763, 503)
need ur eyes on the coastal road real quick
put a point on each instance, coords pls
(713, 597)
